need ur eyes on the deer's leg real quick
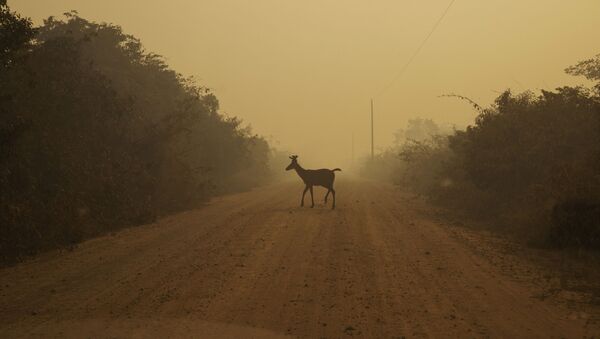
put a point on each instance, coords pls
(333, 194)
(326, 195)
(312, 200)
(303, 193)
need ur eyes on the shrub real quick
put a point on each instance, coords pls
(98, 134)
(529, 164)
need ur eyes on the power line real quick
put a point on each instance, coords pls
(414, 55)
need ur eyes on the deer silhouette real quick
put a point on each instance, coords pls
(320, 177)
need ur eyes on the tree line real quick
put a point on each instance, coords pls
(97, 133)
(529, 164)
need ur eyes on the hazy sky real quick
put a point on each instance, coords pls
(303, 72)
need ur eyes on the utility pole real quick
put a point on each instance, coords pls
(353, 149)
(372, 137)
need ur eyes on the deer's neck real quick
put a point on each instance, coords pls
(301, 171)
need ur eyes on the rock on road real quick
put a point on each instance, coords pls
(257, 265)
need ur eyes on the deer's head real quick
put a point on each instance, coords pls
(293, 164)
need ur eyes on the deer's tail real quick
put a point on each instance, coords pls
(336, 169)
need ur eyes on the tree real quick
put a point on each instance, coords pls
(589, 68)
(417, 129)
(97, 133)
(16, 33)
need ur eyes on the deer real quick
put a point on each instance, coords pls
(321, 177)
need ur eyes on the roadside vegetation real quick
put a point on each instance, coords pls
(529, 164)
(97, 133)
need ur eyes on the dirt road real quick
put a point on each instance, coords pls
(257, 265)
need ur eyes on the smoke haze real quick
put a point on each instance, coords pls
(302, 73)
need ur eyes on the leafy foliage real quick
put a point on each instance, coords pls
(530, 154)
(16, 33)
(411, 144)
(529, 164)
(98, 134)
(589, 68)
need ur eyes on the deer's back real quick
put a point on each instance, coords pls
(321, 177)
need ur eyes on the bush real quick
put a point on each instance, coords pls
(529, 164)
(576, 223)
(99, 134)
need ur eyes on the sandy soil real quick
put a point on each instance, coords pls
(257, 265)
